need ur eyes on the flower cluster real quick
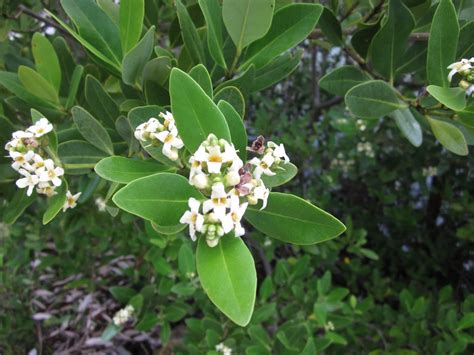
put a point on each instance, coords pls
(218, 172)
(222, 348)
(366, 148)
(465, 69)
(166, 134)
(123, 315)
(32, 163)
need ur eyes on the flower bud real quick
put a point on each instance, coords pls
(252, 200)
(201, 181)
(232, 178)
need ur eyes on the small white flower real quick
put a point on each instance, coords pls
(38, 164)
(171, 143)
(144, 130)
(41, 127)
(459, 67)
(218, 201)
(44, 188)
(225, 350)
(51, 173)
(232, 219)
(22, 135)
(29, 180)
(21, 160)
(71, 200)
(200, 181)
(263, 166)
(193, 218)
(100, 203)
(259, 192)
(279, 151)
(232, 178)
(123, 315)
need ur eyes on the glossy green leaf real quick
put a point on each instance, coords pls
(131, 17)
(247, 20)
(466, 322)
(164, 205)
(228, 276)
(168, 230)
(390, 42)
(92, 130)
(112, 9)
(291, 25)
(449, 136)
(293, 220)
(342, 79)
(330, 26)
(17, 206)
(135, 60)
(442, 43)
(55, 203)
(191, 38)
(37, 85)
(201, 76)
(74, 87)
(95, 27)
(79, 157)
(284, 173)
(408, 125)
(66, 62)
(158, 70)
(195, 113)
(212, 12)
(46, 60)
(100, 102)
(453, 98)
(466, 44)
(232, 95)
(372, 99)
(277, 70)
(236, 127)
(124, 170)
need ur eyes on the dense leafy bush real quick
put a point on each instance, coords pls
(95, 255)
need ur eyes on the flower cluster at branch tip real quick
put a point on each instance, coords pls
(465, 69)
(26, 149)
(123, 315)
(230, 185)
(166, 134)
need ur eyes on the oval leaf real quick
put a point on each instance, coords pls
(228, 276)
(408, 125)
(135, 60)
(284, 173)
(37, 85)
(92, 130)
(131, 17)
(212, 12)
(293, 220)
(79, 157)
(46, 60)
(55, 203)
(341, 80)
(449, 136)
(453, 98)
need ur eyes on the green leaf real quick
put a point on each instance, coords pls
(372, 99)
(92, 130)
(284, 173)
(408, 125)
(191, 38)
(227, 274)
(164, 205)
(244, 82)
(232, 95)
(442, 43)
(123, 170)
(135, 60)
(466, 45)
(212, 12)
(330, 26)
(74, 87)
(131, 17)
(122, 294)
(247, 20)
(449, 136)
(201, 76)
(158, 70)
(95, 27)
(186, 260)
(168, 230)
(55, 203)
(46, 60)
(291, 25)
(37, 85)
(111, 9)
(466, 322)
(389, 44)
(100, 102)
(12, 83)
(342, 79)
(79, 157)
(277, 70)
(236, 127)
(453, 98)
(17, 206)
(293, 220)
(195, 113)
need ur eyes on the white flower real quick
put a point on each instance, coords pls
(144, 130)
(232, 219)
(71, 200)
(38, 164)
(459, 67)
(171, 143)
(225, 350)
(193, 218)
(22, 135)
(200, 181)
(41, 127)
(51, 173)
(44, 188)
(100, 203)
(470, 90)
(232, 178)
(123, 315)
(279, 151)
(218, 201)
(263, 166)
(21, 160)
(29, 180)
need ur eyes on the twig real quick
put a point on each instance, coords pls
(415, 36)
(22, 9)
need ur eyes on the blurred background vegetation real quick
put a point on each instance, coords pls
(399, 281)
